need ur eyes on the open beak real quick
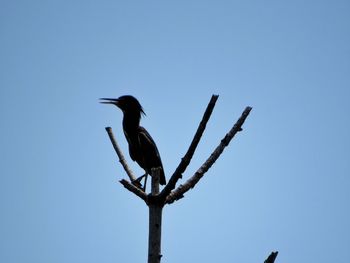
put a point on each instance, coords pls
(109, 101)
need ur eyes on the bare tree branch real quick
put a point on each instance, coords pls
(191, 182)
(188, 156)
(134, 189)
(120, 155)
(272, 257)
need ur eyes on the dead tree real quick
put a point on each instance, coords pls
(156, 200)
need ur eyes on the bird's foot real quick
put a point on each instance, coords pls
(137, 183)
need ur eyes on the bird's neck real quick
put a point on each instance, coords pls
(131, 122)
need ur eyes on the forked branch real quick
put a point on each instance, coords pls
(167, 195)
(156, 200)
(191, 182)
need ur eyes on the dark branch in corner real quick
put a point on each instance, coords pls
(190, 183)
(120, 155)
(272, 257)
(188, 156)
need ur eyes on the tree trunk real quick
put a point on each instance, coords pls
(155, 233)
(155, 222)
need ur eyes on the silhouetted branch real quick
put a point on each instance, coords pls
(120, 155)
(190, 183)
(188, 156)
(134, 189)
(272, 257)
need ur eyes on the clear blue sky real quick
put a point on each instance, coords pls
(282, 184)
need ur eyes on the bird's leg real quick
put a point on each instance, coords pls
(144, 186)
(137, 182)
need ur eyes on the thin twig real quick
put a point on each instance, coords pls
(120, 155)
(188, 156)
(132, 188)
(191, 182)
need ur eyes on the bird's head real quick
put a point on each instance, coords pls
(127, 103)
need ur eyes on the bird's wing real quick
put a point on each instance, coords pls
(149, 147)
(147, 144)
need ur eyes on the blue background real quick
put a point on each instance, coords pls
(282, 184)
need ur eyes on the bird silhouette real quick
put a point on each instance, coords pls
(142, 147)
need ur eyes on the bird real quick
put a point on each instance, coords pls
(142, 147)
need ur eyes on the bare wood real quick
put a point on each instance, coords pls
(191, 182)
(188, 156)
(155, 181)
(120, 155)
(272, 257)
(155, 220)
(132, 188)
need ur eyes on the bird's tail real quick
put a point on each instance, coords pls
(162, 180)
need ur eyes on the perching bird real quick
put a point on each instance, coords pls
(142, 148)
